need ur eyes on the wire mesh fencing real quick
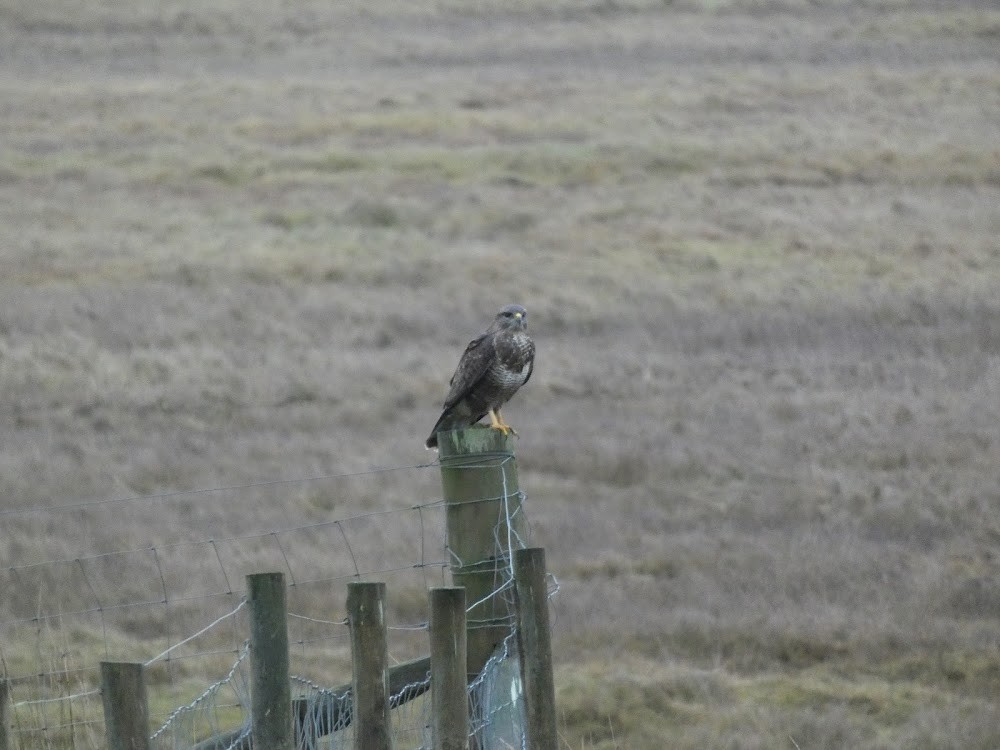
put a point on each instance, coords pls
(178, 607)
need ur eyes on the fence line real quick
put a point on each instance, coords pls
(494, 711)
(110, 595)
(49, 653)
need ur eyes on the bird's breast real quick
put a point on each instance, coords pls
(516, 353)
(513, 362)
(507, 381)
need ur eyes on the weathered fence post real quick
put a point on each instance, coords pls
(479, 483)
(370, 657)
(4, 718)
(536, 647)
(449, 705)
(270, 690)
(126, 714)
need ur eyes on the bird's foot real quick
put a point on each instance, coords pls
(497, 423)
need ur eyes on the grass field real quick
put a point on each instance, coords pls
(758, 242)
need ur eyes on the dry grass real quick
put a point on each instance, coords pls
(759, 246)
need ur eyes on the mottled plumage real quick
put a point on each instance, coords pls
(494, 365)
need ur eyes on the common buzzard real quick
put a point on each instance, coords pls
(494, 365)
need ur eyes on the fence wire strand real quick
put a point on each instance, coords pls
(82, 504)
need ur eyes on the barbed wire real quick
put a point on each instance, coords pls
(211, 691)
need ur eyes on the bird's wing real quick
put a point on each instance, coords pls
(474, 363)
(531, 365)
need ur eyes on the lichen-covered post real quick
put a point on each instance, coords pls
(370, 658)
(484, 521)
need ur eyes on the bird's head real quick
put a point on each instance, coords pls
(512, 317)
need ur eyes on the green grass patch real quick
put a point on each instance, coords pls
(601, 705)
(648, 705)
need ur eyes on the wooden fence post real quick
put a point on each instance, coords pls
(126, 714)
(270, 690)
(535, 646)
(370, 657)
(480, 489)
(4, 717)
(449, 703)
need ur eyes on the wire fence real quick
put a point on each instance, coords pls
(65, 614)
(142, 603)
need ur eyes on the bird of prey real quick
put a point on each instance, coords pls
(494, 365)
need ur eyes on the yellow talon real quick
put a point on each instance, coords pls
(497, 423)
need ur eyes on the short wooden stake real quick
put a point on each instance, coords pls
(270, 691)
(126, 714)
(449, 703)
(370, 656)
(535, 646)
(4, 717)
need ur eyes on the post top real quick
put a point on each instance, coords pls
(474, 440)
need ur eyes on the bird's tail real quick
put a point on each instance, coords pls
(447, 421)
(432, 441)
